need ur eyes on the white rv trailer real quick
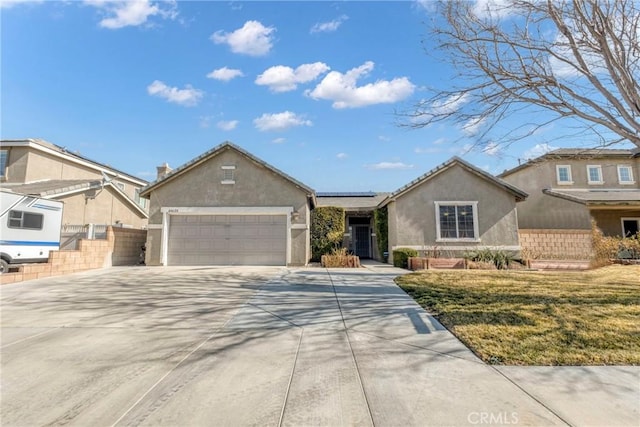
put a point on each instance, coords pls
(29, 228)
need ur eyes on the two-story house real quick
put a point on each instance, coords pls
(92, 192)
(569, 187)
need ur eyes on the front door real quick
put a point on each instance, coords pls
(362, 243)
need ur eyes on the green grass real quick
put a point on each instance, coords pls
(537, 318)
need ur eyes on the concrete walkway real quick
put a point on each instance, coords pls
(242, 346)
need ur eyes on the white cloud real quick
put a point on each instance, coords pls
(342, 89)
(225, 74)
(252, 39)
(472, 126)
(449, 105)
(123, 13)
(187, 97)
(384, 138)
(342, 156)
(283, 79)
(428, 150)
(280, 121)
(538, 150)
(427, 5)
(439, 141)
(494, 9)
(491, 149)
(328, 27)
(388, 165)
(227, 125)
(6, 4)
(278, 140)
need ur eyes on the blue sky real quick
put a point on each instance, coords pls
(310, 87)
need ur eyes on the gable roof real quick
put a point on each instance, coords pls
(517, 193)
(62, 152)
(577, 154)
(54, 189)
(146, 191)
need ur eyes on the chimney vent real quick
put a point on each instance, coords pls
(163, 170)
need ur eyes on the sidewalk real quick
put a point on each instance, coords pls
(578, 395)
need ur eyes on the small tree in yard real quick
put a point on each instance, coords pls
(575, 60)
(327, 230)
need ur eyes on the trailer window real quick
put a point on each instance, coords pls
(28, 220)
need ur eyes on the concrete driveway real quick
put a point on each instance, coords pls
(248, 346)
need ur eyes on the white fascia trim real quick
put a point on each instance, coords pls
(48, 150)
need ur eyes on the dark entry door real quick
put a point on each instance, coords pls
(362, 241)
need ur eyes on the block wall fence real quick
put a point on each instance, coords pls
(121, 247)
(556, 244)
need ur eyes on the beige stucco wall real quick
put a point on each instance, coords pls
(610, 221)
(541, 211)
(412, 217)
(106, 208)
(255, 186)
(28, 165)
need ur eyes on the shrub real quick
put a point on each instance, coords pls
(382, 230)
(401, 257)
(607, 248)
(327, 230)
(501, 259)
(340, 258)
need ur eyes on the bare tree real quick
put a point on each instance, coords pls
(574, 59)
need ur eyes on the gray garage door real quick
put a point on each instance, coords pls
(227, 240)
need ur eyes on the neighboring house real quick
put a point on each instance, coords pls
(452, 209)
(360, 236)
(92, 192)
(227, 207)
(570, 187)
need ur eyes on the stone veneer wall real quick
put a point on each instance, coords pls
(550, 244)
(121, 247)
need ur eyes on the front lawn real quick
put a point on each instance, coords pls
(537, 318)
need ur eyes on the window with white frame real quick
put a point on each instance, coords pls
(4, 155)
(457, 221)
(120, 185)
(141, 201)
(594, 174)
(625, 174)
(228, 174)
(563, 173)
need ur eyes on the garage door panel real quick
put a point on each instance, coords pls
(227, 240)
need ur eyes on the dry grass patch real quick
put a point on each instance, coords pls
(537, 318)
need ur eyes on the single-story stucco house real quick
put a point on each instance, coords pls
(227, 207)
(454, 208)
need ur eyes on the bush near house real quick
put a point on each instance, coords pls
(327, 230)
(401, 257)
(607, 249)
(502, 260)
(381, 220)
